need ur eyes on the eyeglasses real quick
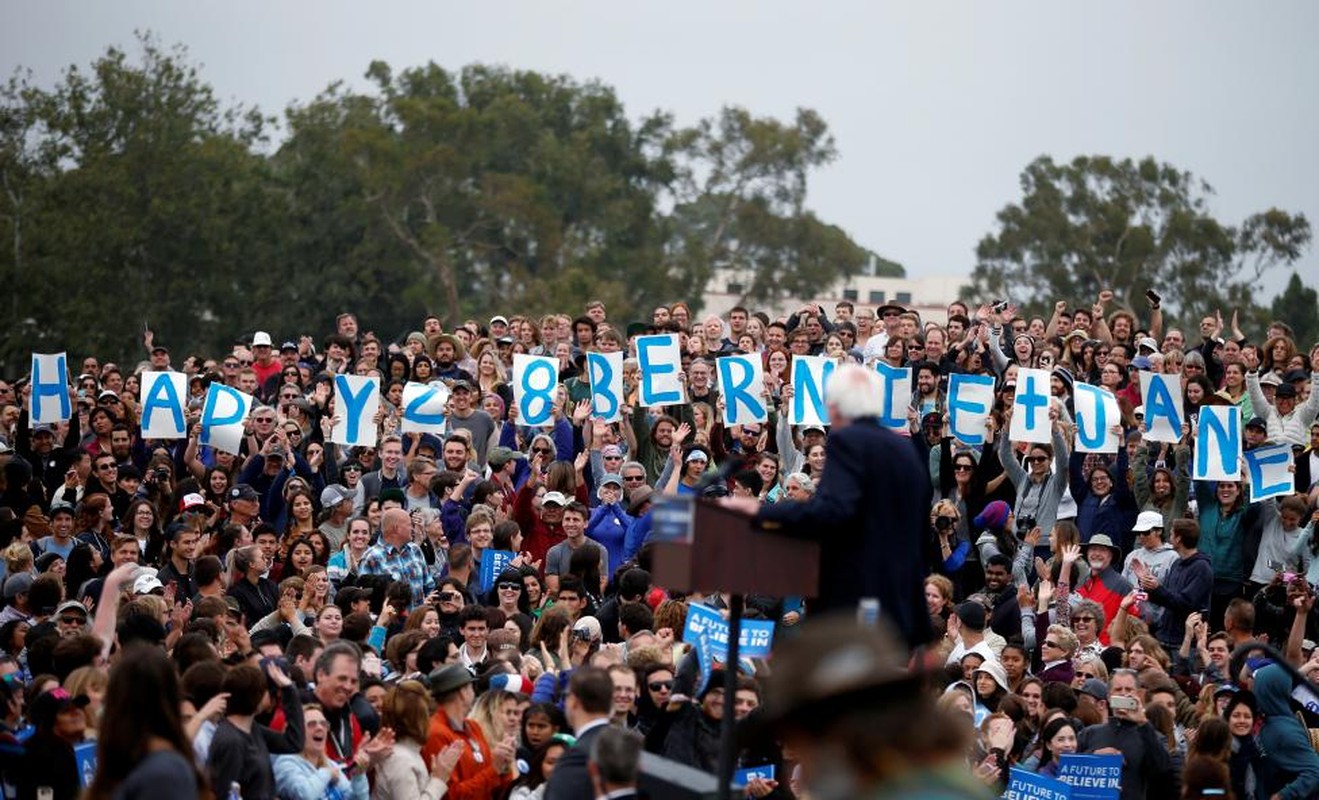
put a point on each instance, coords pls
(510, 587)
(658, 686)
(231, 365)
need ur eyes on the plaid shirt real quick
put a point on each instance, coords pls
(404, 563)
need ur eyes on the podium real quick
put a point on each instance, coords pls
(703, 546)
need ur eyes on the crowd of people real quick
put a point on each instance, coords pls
(474, 614)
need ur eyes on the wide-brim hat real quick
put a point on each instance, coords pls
(449, 678)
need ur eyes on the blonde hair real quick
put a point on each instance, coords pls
(18, 557)
(486, 714)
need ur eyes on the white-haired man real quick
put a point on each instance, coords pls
(868, 511)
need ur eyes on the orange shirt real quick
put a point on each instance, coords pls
(474, 778)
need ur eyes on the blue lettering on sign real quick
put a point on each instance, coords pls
(163, 396)
(54, 385)
(1028, 395)
(413, 410)
(603, 402)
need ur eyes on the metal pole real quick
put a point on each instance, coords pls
(727, 730)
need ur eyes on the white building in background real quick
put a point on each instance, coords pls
(927, 295)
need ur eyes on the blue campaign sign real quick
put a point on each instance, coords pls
(493, 563)
(1091, 777)
(744, 776)
(707, 631)
(1023, 785)
(84, 755)
(673, 519)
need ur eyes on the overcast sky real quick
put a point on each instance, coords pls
(936, 107)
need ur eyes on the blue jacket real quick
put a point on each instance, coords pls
(1284, 738)
(1112, 514)
(1184, 590)
(609, 525)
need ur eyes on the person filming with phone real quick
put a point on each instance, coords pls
(1146, 766)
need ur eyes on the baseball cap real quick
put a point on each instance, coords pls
(51, 704)
(1146, 343)
(1257, 422)
(16, 584)
(460, 385)
(261, 339)
(333, 495)
(288, 345)
(244, 491)
(611, 451)
(588, 625)
(1148, 520)
(1285, 390)
(499, 456)
(146, 584)
(71, 605)
(499, 318)
(613, 478)
(107, 394)
(1095, 688)
(1270, 379)
(504, 340)
(191, 501)
(60, 507)
(556, 498)
(1295, 375)
(812, 427)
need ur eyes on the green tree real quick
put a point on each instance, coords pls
(1099, 223)
(1298, 306)
(740, 204)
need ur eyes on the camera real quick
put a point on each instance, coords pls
(448, 597)
(1025, 523)
(162, 474)
(1000, 306)
(1153, 296)
(942, 523)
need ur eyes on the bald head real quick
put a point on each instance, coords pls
(396, 526)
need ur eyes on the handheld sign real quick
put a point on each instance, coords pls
(1096, 414)
(1162, 396)
(660, 359)
(1217, 444)
(423, 407)
(895, 395)
(535, 380)
(1024, 785)
(163, 396)
(49, 402)
(742, 777)
(605, 371)
(742, 379)
(222, 417)
(493, 562)
(1030, 408)
(708, 632)
(810, 375)
(357, 399)
(969, 399)
(1091, 777)
(1270, 469)
(84, 757)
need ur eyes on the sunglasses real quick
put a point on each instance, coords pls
(231, 364)
(657, 686)
(613, 458)
(1037, 459)
(510, 587)
(634, 478)
(962, 468)
(1086, 675)
(540, 450)
(1083, 619)
(72, 620)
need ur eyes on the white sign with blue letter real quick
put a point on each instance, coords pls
(742, 380)
(356, 401)
(1162, 397)
(49, 402)
(535, 380)
(1217, 444)
(1096, 413)
(605, 371)
(660, 359)
(163, 396)
(970, 397)
(810, 375)
(223, 414)
(1270, 469)
(423, 407)
(1030, 408)
(894, 394)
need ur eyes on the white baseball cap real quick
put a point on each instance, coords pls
(261, 338)
(1148, 520)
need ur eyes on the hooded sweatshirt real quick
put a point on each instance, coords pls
(1283, 738)
(1186, 588)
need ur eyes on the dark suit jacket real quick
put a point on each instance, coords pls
(869, 515)
(570, 780)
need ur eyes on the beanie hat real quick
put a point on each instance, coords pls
(1065, 375)
(994, 515)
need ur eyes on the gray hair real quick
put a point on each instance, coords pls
(616, 754)
(855, 392)
(803, 480)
